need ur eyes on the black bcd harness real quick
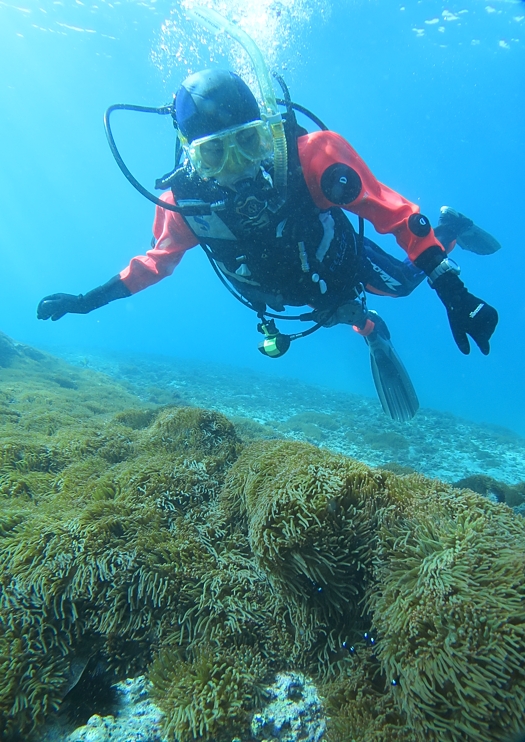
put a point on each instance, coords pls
(275, 344)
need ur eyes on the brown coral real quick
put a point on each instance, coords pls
(119, 536)
(438, 575)
(449, 612)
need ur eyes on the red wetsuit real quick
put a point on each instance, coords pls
(387, 210)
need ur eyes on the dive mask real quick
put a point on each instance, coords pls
(233, 149)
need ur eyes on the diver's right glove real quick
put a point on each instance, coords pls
(55, 306)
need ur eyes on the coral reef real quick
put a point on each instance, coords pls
(448, 612)
(212, 696)
(439, 573)
(512, 494)
(145, 539)
(344, 422)
(99, 530)
(361, 707)
(136, 718)
(93, 566)
(299, 508)
(295, 713)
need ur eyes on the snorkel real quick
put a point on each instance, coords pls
(216, 23)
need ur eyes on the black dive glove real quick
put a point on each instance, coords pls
(467, 314)
(55, 306)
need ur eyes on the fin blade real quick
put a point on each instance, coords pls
(393, 385)
(476, 240)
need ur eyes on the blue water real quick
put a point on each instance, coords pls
(431, 96)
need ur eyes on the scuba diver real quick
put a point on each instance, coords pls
(266, 201)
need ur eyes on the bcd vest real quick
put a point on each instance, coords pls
(274, 253)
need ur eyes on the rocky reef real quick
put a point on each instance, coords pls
(154, 539)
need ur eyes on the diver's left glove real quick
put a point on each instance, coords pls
(467, 314)
(55, 306)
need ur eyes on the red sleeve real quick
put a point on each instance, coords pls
(173, 237)
(384, 208)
